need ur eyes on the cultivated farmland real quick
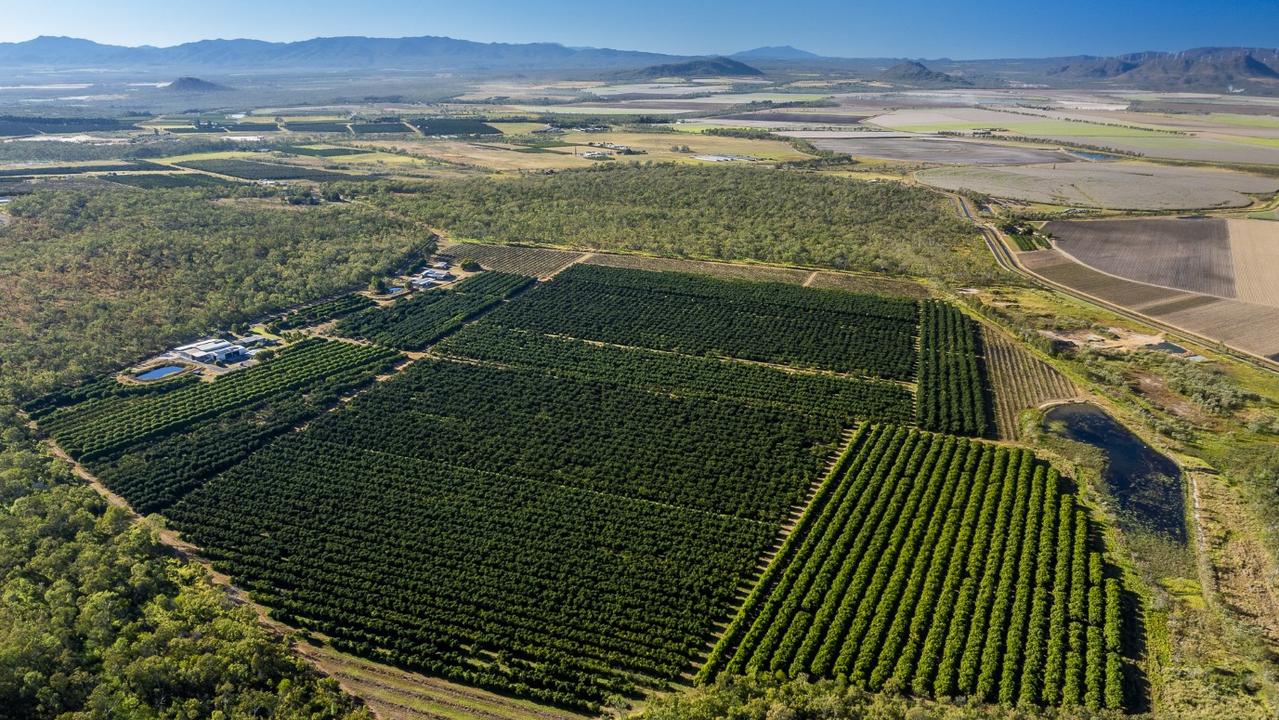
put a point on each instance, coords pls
(379, 128)
(453, 126)
(322, 311)
(952, 391)
(1235, 259)
(843, 398)
(563, 500)
(96, 426)
(1250, 327)
(1020, 381)
(695, 315)
(943, 566)
(1191, 255)
(1254, 246)
(1116, 185)
(414, 323)
(531, 261)
(249, 170)
(164, 181)
(937, 150)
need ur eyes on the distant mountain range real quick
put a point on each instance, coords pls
(1201, 69)
(1198, 68)
(350, 53)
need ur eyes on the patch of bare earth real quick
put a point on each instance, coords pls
(1155, 388)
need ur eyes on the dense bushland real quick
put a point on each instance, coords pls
(717, 213)
(100, 620)
(98, 279)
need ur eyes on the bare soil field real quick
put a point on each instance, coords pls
(1057, 267)
(1185, 254)
(1020, 380)
(1111, 185)
(495, 156)
(1095, 128)
(534, 261)
(1254, 245)
(1246, 326)
(938, 150)
(704, 267)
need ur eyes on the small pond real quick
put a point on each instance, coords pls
(157, 373)
(1145, 484)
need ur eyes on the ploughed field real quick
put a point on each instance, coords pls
(568, 493)
(1211, 277)
(1020, 381)
(1235, 259)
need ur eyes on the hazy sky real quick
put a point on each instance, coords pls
(902, 28)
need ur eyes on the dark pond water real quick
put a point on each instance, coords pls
(1145, 484)
(159, 372)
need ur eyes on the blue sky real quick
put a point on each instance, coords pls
(902, 28)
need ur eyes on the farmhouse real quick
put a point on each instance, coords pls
(212, 350)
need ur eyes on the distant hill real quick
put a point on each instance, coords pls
(917, 73)
(775, 52)
(194, 85)
(702, 67)
(1200, 69)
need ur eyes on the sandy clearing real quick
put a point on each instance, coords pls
(1255, 247)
